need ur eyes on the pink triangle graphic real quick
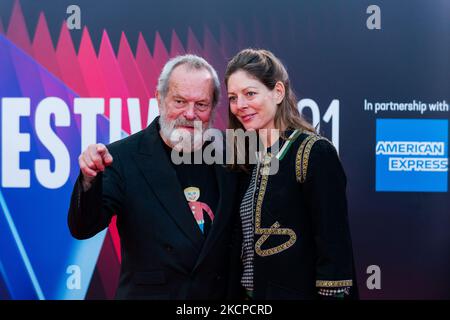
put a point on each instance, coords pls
(43, 49)
(115, 86)
(133, 77)
(68, 63)
(176, 48)
(17, 30)
(213, 54)
(89, 67)
(193, 46)
(227, 43)
(145, 64)
(160, 54)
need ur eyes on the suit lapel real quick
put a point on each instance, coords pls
(222, 213)
(157, 170)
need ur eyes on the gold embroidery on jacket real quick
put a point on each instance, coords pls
(275, 228)
(302, 158)
(334, 283)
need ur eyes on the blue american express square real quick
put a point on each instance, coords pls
(411, 155)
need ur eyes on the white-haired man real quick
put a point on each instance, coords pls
(171, 249)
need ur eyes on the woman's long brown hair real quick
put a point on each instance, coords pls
(268, 69)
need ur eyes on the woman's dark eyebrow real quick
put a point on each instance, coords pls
(246, 88)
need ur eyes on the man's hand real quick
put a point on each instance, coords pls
(92, 161)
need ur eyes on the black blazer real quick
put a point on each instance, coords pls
(302, 225)
(164, 253)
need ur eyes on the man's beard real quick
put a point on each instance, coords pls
(182, 139)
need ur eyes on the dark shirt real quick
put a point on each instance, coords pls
(201, 176)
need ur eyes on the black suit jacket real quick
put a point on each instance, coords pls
(313, 247)
(164, 253)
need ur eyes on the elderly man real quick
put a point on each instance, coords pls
(175, 221)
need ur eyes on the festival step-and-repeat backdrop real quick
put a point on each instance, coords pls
(373, 76)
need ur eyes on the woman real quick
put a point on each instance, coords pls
(296, 239)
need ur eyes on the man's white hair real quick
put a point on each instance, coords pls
(192, 62)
